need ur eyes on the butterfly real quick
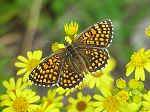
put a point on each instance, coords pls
(67, 66)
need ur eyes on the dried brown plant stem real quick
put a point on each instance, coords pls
(32, 25)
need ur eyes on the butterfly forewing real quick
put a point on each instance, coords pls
(47, 72)
(97, 35)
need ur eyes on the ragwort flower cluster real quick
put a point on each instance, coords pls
(124, 97)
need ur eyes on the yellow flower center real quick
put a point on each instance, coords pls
(123, 95)
(111, 104)
(49, 101)
(133, 84)
(81, 106)
(97, 74)
(121, 83)
(20, 104)
(139, 58)
(32, 64)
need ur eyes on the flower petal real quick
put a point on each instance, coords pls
(142, 74)
(6, 85)
(71, 100)
(50, 107)
(29, 55)
(137, 73)
(98, 97)
(129, 69)
(21, 71)
(18, 84)
(20, 64)
(25, 77)
(105, 91)
(99, 109)
(6, 103)
(37, 54)
(8, 109)
(12, 83)
(79, 95)
(91, 84)
(18, 92)
(44, 105)
(4, 96)
(98, 83)
(34, 99)
(58, 98)
(88, 98)
(32, 94)
(23, 59)
(147, 67)
(26, 92)
(97, 104)
(54, 110)
(32, 107)
(12, 95)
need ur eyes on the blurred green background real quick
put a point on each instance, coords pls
(28, 25)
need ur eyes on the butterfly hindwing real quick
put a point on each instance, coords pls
(97, 35)
(70, 75)
(95, 59)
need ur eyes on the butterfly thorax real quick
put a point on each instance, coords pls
(70, 49)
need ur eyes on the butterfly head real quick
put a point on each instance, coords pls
(66, 44)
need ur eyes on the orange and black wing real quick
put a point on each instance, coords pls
(70, 75)
(95, 59)
(47, 72)
(97, 35)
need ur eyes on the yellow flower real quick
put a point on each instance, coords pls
(140, 60)
(141, 86)
(133, 84)
(27, 65)
(56, 46)
(136, 99)
(81, 104)
(12, 86)
(20, 101)
(121, 83)
(68, 39)
(123, 95)
(147, 31)
(71, 29)
(108, 103)
(101, 80)
(146, 103)
(51, 98)
(46, 108)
